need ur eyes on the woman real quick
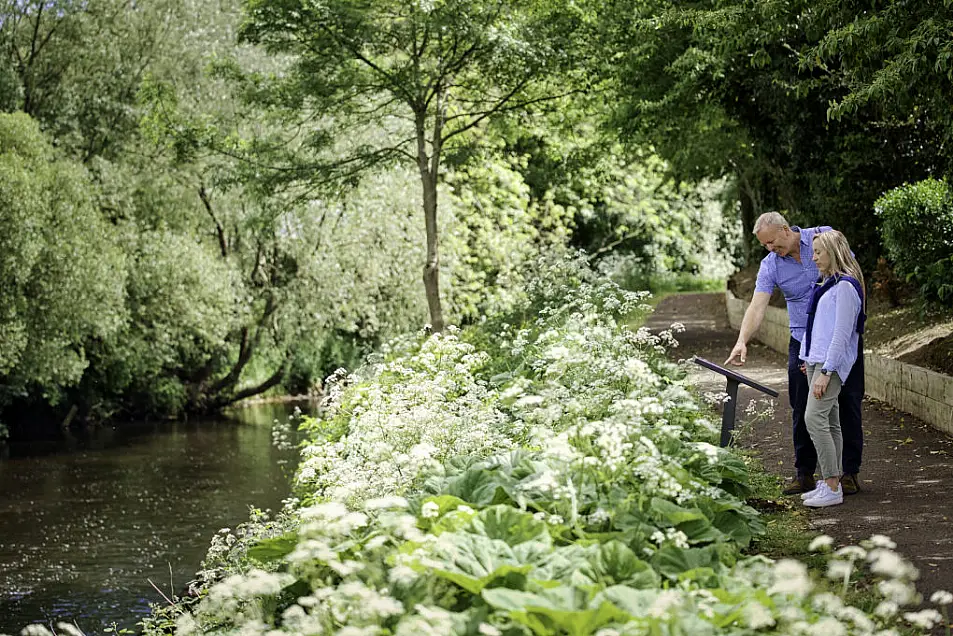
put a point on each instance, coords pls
(834, 324)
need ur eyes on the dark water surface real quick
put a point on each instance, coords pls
(86, 522)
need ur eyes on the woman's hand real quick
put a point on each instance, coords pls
(803, 368)
(820, 384)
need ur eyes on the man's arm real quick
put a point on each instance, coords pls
(749, 325)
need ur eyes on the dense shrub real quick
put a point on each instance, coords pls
(917, 230)
(182, 301)
(493, 227)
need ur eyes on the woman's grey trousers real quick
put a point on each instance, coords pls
(823, 423)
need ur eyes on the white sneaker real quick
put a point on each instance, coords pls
(825, 497)
(810, 493)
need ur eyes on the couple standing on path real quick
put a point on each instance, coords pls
(825, 351)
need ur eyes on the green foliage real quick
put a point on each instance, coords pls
(649, 224)
(633, 278)
(897, 56)
(404, 81)
(609, 512)
(212, 170)
(183, 302)
(743, 89)
(494, 227)
(62, 270)
(268, 550)
(917, 230)
(624, 206)
(557, 610)
(76, 67)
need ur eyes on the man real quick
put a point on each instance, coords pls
(790, 267)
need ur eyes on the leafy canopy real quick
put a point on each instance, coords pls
(391, 62)
(63, 274)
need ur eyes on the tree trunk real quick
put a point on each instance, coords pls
(432, 264)
(247, 347)
(428, 179)
(275, 379)
(747, 223)
(751, 209)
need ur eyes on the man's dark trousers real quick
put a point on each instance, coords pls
(849, 403)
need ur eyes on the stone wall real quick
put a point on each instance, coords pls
(918, 391)
(774, 330)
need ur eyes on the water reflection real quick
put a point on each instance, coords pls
(86, 522)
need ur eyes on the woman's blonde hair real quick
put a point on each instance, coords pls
(842, 261)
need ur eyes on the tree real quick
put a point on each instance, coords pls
(422, 73)
(674, 69)
(897, 55)
(62, 271)
(76, 67)
(727, 87)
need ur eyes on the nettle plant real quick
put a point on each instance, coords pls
(545, 473)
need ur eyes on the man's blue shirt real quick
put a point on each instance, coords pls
(796, 280)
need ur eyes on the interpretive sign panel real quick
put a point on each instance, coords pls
(734, 379)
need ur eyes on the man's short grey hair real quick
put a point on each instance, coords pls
(768, 219)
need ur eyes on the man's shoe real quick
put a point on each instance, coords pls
(825, 497)
(849, 484)
(799, 485)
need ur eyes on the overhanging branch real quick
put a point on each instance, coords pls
(502, 106)
(219, 230)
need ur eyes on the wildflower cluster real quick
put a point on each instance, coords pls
(546, 473)
(414, 414)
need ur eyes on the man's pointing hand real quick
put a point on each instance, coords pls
(740, 352)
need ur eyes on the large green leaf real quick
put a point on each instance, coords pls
(672, 562)
(481, 486)
(563, 562)
(500, 542)
(507, 524)
(633, 601)
(733, 473)
(555, 611)
(637, 604)
(474, 561)
(700, 531)
(740, 528)
(518, 464)
(597, 565)
(449, 519)
(450, 522)
(665, 510)
(269, 550)
(633, 521)
(446, 503)
(505, 576)
(615, 563)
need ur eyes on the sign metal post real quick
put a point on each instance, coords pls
(734, 379)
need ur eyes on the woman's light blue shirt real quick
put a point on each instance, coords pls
(834, 337)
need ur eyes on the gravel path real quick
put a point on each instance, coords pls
(907, 475)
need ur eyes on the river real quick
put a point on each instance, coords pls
(86, 522)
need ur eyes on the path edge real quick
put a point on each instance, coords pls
(921, 392)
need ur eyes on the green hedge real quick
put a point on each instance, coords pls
(917, 230)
